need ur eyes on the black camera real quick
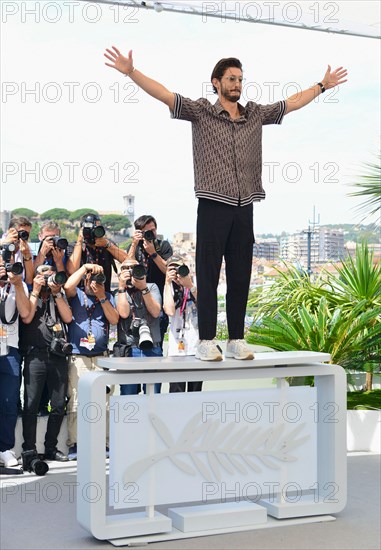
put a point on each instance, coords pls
(59, 346)
(148, 235)
(32, 463)
(99, 278)
(17, 268)
(140, 331)
(23, 235)
(182, 270)
(90, 230)
(59, 242)
(138, 272)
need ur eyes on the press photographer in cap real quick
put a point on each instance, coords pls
(14, 304)
(94, 311)
(139, 307)
(45, 348)
(92, 247)
(180, 304)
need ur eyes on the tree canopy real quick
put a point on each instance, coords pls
(115, 222)
(26, 212)
(55, 214)
(76, 215)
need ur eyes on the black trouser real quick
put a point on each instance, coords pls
(223, 230)
(181, 386)
(41, 366)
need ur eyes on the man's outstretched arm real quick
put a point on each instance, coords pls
(125, 65)
(330, 80)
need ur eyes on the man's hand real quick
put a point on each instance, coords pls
(186, 281)
(122, 64)
(58, 256)
(137, 237)
(93, 268)
(12, 236)
(38, 283)
(334, 78)
(101, 242)
(56, 289)
(3, 272)
(171, 275)
(99, 290)
(47, 246)
(149, 247)
(15, 280)
(124, 278)
(140, 284)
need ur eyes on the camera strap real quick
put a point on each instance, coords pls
(137, 308)
(54, 315)
(4, 295)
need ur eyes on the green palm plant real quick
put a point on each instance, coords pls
(359, 279)
(353, 339)
(369, 188)
(291, 289)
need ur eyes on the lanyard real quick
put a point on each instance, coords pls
(185, 299)
(89, 310)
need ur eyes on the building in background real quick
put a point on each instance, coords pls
(327, 245)
(129, 211)
(5, 218)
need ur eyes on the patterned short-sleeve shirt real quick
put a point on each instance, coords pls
(227, 153)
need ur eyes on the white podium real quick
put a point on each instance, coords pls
(200, 463)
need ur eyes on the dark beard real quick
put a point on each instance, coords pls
(233, 98)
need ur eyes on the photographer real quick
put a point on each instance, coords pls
(14, 303)
(151, 252)
(92, 247)
(139, 307)
(44, 346)
(180, 304)
(93, 312)
(18, 233)
(52, 250)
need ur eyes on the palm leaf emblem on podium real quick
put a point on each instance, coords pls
(213, 446)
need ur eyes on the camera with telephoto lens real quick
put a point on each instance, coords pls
(32, 463)
(7, 250)
(99, 278)
(23, 235)
(58, 278)
(141, 332)
(59, 345)
(148, 235)
(91, 230)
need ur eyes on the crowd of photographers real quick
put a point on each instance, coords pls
(56, 310)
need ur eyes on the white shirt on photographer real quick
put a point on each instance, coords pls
(10, 333)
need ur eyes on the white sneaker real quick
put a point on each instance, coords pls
(8, 458)
(207, 350)
(238, 349)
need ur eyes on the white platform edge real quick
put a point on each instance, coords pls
(201, 517)
(176, 535)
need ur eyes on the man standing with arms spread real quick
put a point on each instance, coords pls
(227, 153)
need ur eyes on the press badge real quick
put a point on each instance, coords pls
(88, 343)
(4, 348)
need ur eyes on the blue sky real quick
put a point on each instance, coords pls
(97, 137)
